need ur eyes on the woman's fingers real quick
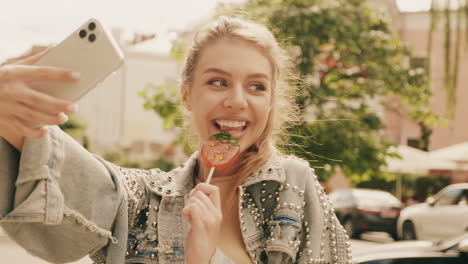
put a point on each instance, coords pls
(27, 73)
(193, 214)
(32, 59)
(215, 213)
(28, 131)
(46, 103)
(211, 191)
(36, 116)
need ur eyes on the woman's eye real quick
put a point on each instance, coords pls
(218, 83)
(257, 87)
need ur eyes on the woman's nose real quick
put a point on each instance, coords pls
(236, 99)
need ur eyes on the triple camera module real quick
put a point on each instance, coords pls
(91, 37)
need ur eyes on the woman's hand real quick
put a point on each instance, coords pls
(204, 214)
(22, 104)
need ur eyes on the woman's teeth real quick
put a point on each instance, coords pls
(231, 123)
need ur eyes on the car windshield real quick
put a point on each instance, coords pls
(375, 198)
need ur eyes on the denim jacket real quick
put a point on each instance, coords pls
(61, 203)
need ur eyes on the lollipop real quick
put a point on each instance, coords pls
(219, 152)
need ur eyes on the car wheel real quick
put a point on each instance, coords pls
(408, 231)
(350, 229)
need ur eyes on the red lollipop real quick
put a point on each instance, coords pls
(219, 152)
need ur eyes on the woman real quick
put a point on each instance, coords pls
(61, 203)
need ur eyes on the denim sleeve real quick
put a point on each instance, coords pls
(60, 202)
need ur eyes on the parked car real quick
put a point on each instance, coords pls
(362, 210)
(443, 217)
(416, 252)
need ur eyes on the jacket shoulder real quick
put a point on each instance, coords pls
(296, 168)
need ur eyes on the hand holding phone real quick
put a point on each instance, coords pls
(89, 50)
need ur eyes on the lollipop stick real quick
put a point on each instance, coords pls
(210, 175)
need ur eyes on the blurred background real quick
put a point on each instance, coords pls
(383, 99)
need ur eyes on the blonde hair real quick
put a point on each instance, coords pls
(284, 110)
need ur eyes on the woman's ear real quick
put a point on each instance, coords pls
(184, 90)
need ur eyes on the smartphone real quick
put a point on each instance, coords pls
(90, 50)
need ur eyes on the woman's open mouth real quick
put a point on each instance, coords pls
(234, 127)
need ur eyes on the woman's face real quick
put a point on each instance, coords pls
(230, 91)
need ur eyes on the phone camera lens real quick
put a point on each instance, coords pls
(92, 26)
(82, 33)
(92, 38)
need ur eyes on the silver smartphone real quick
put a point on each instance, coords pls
(90, 50)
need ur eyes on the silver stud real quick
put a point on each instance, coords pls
(263, 184)
(159, 188)
(291, 206)
(294, 189)
(169, 178)
(301, 193)
(263, 199)
(153, 224)
(152, 256)
(263, 191)
(309, 252)
(168, 191)
(287, 186)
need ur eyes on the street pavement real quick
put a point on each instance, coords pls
(12, 253)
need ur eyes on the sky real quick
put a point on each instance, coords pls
(27, 22)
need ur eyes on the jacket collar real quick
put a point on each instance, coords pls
(183, 180)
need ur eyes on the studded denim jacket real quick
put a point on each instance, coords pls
(61, 203)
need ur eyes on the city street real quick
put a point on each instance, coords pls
(11, 253)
